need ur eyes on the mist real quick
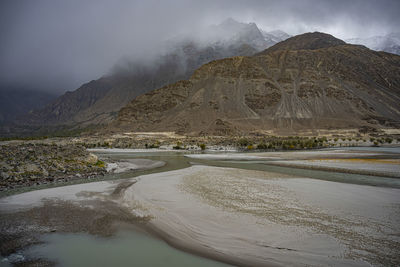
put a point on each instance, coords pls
(56, 46)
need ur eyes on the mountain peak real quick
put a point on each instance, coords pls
(230, 21)
(307, 41)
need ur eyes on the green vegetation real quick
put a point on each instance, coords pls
(202, 146)
(262, 146)
(243, 142)
(285, 143)
(100, 164)
(154, 145)
(178, 146)
(388, 140)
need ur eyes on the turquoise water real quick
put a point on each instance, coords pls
(126, 248)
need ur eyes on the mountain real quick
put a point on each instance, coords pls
(308, 82)
(15, 102)
(389, 43)
(98, 101)
(274, 37)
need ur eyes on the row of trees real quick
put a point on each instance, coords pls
(284, 143)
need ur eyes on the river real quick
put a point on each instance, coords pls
(132, 246)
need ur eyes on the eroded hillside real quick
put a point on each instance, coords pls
(311, 81)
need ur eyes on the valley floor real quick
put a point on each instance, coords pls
(256, 218)
(238, 208)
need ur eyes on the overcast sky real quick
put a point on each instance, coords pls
(58, 45)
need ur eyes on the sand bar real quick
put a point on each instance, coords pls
(133, 165)
(312, 154)
(384, 167)
(259, 218)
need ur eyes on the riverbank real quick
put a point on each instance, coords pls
(28, 164)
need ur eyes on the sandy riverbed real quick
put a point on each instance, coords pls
(258, 218)
(312, 154)
(384, 167)
(133, 165)
(243, 217)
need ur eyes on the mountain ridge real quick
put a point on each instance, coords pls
(320, 82)
(98, 101)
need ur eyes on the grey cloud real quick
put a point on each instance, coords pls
(58, 45)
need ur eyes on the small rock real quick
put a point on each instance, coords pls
(4, 175)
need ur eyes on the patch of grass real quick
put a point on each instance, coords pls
(100, 164)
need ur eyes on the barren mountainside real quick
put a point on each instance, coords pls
(98, 101)
(310, 81)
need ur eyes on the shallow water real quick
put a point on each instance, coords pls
(126, 248)
(176, 160)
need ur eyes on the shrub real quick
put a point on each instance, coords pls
(202, 146)
(155, 145)
(244, 142)
(178, 146)
(100, 164)
(262, 146)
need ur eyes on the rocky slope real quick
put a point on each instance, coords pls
(98, 101)
(33, 164)
(310, 81)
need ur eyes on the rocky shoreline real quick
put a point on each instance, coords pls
(27, 164)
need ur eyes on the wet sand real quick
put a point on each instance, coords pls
(128, 150)
(258, 218)
(89, 208)
(384, 167)
(133, 165)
